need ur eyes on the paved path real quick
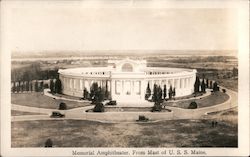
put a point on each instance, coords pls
(79, 113)
(47, 93)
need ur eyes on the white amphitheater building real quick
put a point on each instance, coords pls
(127, 79)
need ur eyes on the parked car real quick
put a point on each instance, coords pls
(56, 114)
(112, 103)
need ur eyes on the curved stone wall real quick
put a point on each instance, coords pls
(127, 85)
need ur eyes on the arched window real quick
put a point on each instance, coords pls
(127, 67)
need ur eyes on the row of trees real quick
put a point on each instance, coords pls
(33, 72)
(97, 93)
(37, 86)
(200, 86)
(55, 86)
(159, 94)
(27, 86)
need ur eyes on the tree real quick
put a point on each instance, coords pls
(31, 86)
(148, 92)
(36, 87)
(164, 92)
(85, 94)
(170, 92)
(100, 95)
(197, 85)
(27, 85)
(22, 86)
(235, 72)
(18, 87)
(207, 83)
(215, 87)
(62, 106)
(211, 85)
(52, 86)
(159, 94)
(157, 107)
(154, 96)
(48, 143)
(14, 87)
(41, 86)
(192, 105)
(58, 86)
(93, 91)
(99, 107)
(203, 86)
(173, 93)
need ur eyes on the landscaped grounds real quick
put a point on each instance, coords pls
(82, 133)
(213, 99)
(42, 101)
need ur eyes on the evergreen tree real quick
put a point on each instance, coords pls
(18, 87)
(41, 86)
(58, 86)
(164, 92)
(93, 91)
(197, 85)
(100, 95)
(211, 85)
(31, 86)
(170, 92)
(52, 86)
(235, 72)
(154, 97)
(207, 83)
(27, 85)
(21, 87)
(14, 87)
(215, 87)
(203, 86)
(159, 94)
(85, 94)
(36, 87)
(148, 92)
(174, 92)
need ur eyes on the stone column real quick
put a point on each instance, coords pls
(143, 89)
(113, 89)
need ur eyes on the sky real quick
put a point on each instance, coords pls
(56, 28)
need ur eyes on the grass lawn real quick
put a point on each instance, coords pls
(230, 115)
(42, 101)
(213, 99)
(22, 113)
(77, 133)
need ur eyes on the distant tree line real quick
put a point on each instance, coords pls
(33, 72)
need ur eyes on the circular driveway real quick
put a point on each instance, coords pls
(79, 113)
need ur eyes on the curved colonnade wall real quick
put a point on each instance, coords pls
(127, 84)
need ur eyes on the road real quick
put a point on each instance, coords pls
(79, 113)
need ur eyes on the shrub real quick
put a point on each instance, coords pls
(48, 143)
(99, 107)
(192, 105)
(157, 107)
(224, 90)
(142, 118)
(62, 106)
